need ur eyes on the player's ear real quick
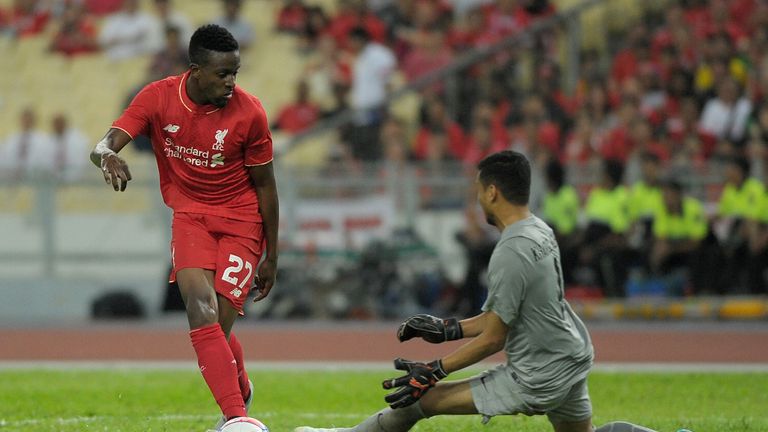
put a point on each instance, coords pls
(491, 192)
(194, 69)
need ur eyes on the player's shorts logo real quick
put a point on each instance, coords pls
(172, 128)
(237, 292)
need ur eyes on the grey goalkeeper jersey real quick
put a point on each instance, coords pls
(547, 347)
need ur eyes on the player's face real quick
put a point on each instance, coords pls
(484, 201)
(216, 78)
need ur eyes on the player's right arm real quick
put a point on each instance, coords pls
(113, 167)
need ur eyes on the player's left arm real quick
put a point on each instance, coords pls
(489, 341)
(263, 178)
(421, 377)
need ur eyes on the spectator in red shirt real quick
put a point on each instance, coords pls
(426, 17)
(618, 145)
(314, 29)
(353, 14)
(429, 53)
(102, 7)
(505, 18)
(466, 33)
(643, 139)
(76, 34)
(480, 144)
(685, 133)
(27, 18)
(292, 17)
(436, 118)
(298, 115)
(582, 144)
(542, 134)
(627, 62)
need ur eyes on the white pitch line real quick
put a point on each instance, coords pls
(174, 417)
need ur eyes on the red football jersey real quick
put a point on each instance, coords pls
(203, 152)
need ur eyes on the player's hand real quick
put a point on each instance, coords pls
(115, 170)
(430, 328)
(420, 378)
(265, 279)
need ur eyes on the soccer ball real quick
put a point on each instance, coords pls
(244, 424)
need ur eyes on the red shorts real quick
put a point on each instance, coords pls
(230, 248)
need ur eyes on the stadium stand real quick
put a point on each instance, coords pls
(625, 81)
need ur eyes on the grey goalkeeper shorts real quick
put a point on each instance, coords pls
(497, 392)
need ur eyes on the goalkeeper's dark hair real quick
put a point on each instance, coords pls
(510, 172)
(210, 37)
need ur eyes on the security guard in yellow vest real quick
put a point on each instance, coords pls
(645, 196)
(603, 243)
(679, 226)
(645, 200)
(757, 230)
(741, 197)
(560, 209)
(741, 193)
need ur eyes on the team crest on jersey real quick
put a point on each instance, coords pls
(172, 128)
(220, 135)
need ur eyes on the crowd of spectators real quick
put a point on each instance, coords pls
(120, 30)
(31, 152)
(684, 93)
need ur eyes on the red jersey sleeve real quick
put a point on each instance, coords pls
(258, 150)
(135, 120)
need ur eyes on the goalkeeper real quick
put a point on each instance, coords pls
(548, 349)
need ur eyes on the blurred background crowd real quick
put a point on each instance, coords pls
(646, 121)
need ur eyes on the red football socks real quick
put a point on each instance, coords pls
(219, 368)
(242, 375)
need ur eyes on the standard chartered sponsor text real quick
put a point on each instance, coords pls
(189, 155)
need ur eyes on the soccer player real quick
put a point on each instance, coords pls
(548, 348)
(214, 155)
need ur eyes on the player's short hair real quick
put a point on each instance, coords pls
(510, 172)
(210, 37)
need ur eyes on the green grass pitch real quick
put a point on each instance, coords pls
(129, 400)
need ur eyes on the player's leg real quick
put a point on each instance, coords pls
(237, 258)
(194, 253)
(450, 397)
(227, 315)
(214, 356)
(574, 411)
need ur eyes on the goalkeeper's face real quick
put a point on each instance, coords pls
(485, 195)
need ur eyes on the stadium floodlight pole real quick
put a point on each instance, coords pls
(345, 117)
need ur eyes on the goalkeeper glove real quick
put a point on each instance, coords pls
(430, 328)
(412, 386)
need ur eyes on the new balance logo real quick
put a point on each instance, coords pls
(172, 128)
